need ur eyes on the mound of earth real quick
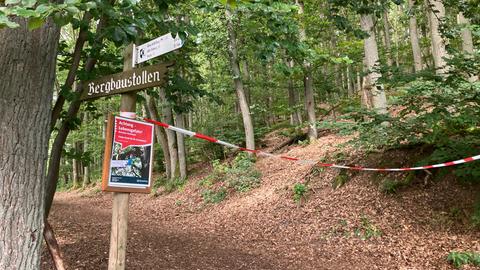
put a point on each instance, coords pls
(355, 226)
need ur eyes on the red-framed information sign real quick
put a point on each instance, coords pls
(127, 164)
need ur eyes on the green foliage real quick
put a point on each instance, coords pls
(367, 229)
(340, 180)
(299, 192)
(168, 185)
(461, 258)
(239, 176)
(389, 186)
(443, 113)
(214, 196)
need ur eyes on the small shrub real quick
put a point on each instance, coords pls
(367, 229)
(299, 191)
(168, 185)
(340, 180)
(459, 259)
(214, 196)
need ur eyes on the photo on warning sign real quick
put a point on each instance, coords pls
(130, 155)
(132, 162)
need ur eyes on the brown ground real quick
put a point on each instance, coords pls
(266, 229)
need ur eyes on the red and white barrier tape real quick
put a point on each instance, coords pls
(307, 161)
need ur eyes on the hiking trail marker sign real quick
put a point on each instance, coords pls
(127, 164)
(156, 47)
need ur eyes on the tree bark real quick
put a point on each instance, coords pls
(53, 247)
(172, 142)
(159, 133)
(242, 100)
(295, 114)
(379, 100)
(308, 84)
(86, 167)
(436, 12)
(467, 41)
(412, 24)
(386, 36)
(182, 154)
(75, 169)
(27, 70)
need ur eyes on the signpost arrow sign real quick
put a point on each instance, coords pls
(156, 47)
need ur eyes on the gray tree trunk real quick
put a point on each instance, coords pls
(467, 41)
(242, 100)
(386, 36)
(27, 71)
(182, 154)
(379, 100)
(295, 114)
(308, 84)
(417, 53)
(436, 12)
(171, 137)
(75, 170)
(159, 133)
(86, 167)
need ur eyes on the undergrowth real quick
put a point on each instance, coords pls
(168, 185)
(461, 258)
(239, 176)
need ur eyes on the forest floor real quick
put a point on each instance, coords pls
(355, 226)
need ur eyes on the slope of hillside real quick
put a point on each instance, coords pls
(355, 226)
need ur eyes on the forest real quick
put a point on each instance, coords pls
(307, 134)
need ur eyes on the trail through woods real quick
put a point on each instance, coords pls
(265, 229)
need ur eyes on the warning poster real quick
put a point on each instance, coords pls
(130, 163)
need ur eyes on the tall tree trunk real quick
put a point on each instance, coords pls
(86, 167)
(27, 68)
(246, 76)
(387, 40)
(159, 133)
(172, 141)
(242, 100)
(182, 154)
(436, 12)
(350, 82)
(379, 100)
(308, 84)
(295, 114)
(467, 41)
(75, 169)
(417, 53)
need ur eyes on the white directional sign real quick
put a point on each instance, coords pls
(156, 47)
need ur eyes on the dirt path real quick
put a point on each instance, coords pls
(353, 227)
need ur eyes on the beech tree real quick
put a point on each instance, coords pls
(436, 13)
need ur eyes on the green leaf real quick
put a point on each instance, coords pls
(71, 2)
(23, 12)
(91, 5)
(29, 3)
(35, 23)
(11, 2)
(4, 21)
(73, 10)
(43, 9)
